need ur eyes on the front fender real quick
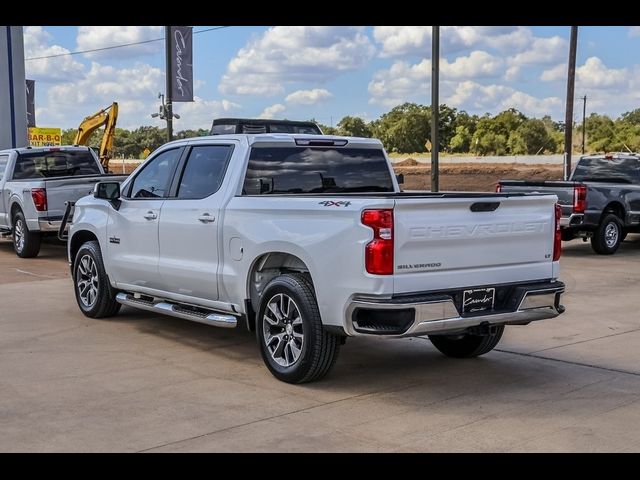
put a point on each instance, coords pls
(90, 218)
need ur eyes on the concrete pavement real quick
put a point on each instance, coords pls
(141, 382)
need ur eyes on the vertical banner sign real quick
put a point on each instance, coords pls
(31, 103)
(182, 64)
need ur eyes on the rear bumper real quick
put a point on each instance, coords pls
(438, 313)
(49, 224)
(574, 220)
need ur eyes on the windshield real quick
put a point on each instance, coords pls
(623, 170)
(274, 170)
(51, 164)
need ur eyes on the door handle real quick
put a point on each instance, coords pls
(150, 215)
(206, 218)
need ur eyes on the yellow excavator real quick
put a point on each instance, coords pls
(107, 117)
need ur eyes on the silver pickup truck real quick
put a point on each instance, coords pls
(35, 184)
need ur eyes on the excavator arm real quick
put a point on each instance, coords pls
(107, 117)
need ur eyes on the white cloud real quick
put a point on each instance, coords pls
(272, 111)
(135, 89)
(513, 73)
(308, 97)
(594, 74)
(200, 113)
(400, 83)
(292, 54)
(92, 37)
(398, 40)
(406, 40)
(542, 51)
(634, 32)
(477, 64)
(559, 72)
(495, 98)
(404, 81)
(56, 69)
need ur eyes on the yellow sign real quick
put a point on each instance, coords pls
(45, 137)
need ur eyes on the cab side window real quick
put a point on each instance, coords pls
(204, 171)
(154, 180)
(3, 165)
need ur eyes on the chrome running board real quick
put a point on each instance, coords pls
(201, 315)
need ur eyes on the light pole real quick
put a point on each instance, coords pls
(584, 114)
(568, 119)
(165, 113)
(169, 106)
(435, 107)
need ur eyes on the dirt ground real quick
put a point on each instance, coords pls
(472, 176)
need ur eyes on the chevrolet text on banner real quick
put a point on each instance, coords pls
(45, 137)
(31, 103)
(182, 64)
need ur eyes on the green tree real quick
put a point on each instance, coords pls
(354, 127)
(461, 141)
(404, 129)
(531, 137)
(201, 132)
(600, 132)
(632, 117)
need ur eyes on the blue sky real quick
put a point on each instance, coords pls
(329, 72)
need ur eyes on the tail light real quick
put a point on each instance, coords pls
(557, 240)
(498, 188)
(39, 196)
(378, 253)
(579, 199)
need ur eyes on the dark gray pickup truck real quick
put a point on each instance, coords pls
(600, 201)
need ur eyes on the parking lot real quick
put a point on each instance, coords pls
(140, 382)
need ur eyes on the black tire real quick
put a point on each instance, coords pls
(467, 345)
(26, 244)
(608, 236)
(623, 236)
(103, 302)
(318, 348)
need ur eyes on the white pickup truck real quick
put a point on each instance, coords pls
(309, 240)
(35, 184)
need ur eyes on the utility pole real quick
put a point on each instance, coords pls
(168, 93)
(435, 107)
(568, 119)
(584, 114)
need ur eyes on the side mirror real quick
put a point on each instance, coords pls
(400, 178)
(107, 190)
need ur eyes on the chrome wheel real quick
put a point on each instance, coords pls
(87, 281)
(611, 234)
(19, 234)
(282, 330)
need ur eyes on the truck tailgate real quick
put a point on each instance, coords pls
(70, 189)
(454, 242)
(563, 190)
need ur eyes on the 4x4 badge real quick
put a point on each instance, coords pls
(331, 203)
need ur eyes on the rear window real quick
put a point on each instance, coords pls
(223, 129)
(277, 170)
(55, 164)
(607, 169)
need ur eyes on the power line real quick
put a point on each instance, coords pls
(118, 46)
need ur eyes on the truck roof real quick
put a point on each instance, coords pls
(290, 138)
(44, 149)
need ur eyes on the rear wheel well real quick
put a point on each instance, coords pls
(78, 240)
(616, 208)
(15, 208)
(264, 269)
